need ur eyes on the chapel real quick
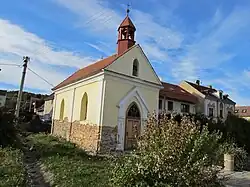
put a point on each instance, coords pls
(103, 107)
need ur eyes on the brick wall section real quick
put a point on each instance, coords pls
(92, 138)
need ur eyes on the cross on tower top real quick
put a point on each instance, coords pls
(128, 10)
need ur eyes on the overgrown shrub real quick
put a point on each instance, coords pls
(172, 153)
(7, 129)
(238, 129)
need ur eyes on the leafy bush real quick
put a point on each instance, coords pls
(172, 154)
(7, 129)
(12, 172)
(238, 129)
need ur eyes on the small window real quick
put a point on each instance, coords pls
(170, 105)
(84, 107)
(210, 112)
(185, 108)
(221, 113)
(221, 110)
(244, 111)
(160, 104)
(135, 68)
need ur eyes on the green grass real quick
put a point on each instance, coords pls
(11, 168)
(70, 165)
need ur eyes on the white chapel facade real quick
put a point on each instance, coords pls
(103, 107)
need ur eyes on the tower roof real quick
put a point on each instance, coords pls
(127, 22)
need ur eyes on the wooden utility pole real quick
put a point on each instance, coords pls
(26, 59)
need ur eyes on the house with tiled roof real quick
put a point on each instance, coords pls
(243, 112)
(175, 99)
(211, 102)
(104, 106)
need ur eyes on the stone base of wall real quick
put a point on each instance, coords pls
(108, 139)
(86, 136)
(92, 138)
(61, 128)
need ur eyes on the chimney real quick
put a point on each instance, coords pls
(210, 86)
(221, 94)
(198, 82)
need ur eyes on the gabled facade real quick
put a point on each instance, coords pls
(104, 106)
(48, 108)
(212, 103)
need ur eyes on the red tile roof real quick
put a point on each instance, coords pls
(87, 71)
(127, 22)
(175, 92)
(90, 70)
(201, 88)
(242, 111)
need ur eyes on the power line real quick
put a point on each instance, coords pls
(95, 17)
(31, 71)
(41, 77)
(17, 65)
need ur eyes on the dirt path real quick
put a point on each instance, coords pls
(36, 176)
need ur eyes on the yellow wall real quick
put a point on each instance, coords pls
(116, 90)
(93, 90)
(200, 107)
(67, 109)
(124, 65)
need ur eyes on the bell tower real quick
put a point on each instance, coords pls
(126, 35)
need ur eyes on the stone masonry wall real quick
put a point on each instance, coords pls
(92, 138)
(61, 128)
(108, 139)
(85, 135)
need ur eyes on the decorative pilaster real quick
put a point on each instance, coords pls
(120, 134)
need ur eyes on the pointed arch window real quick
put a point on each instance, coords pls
(84, 107)
(61, 117)
(135, 68)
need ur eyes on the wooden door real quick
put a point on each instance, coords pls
(132, 132)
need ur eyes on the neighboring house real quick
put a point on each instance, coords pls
(3, 95)
(212, 103)
(104, 106)
(173, 98)
(38, 105)
(48, 108)
(243, 112)
(39, 111)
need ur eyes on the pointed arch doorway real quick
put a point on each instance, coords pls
(132, 127)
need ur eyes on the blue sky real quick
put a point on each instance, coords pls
(184, 40)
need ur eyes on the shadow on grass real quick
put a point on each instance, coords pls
(47, 145)
(70, 165)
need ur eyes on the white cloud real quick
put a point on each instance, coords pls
(16, 43)
(100, 18)
(93, 14)
(207, 50)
